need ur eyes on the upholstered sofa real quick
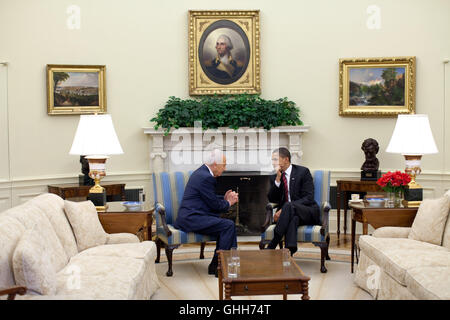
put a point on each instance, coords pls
(59, 250)
(409, 263)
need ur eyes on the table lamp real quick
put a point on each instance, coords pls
(412, 137)
(95, 139)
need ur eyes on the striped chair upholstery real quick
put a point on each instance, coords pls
(317, 234)
(168, 192)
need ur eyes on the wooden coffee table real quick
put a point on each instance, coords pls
(261, 272)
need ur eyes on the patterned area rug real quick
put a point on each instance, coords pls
(190, 280)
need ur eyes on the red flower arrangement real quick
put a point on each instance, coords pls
(394, 181)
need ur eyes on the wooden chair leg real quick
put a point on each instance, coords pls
(323, 253)
(158, 249)
(202, 250)
(169, 250)
(328, 245)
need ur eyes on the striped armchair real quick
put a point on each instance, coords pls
(317, 234)
(168, 191)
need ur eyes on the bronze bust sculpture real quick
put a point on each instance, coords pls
(369, 169)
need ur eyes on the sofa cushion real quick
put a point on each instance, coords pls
(85, 223)
(143, 250)
(430, 220)
(429, 283)
(396, 255)
(32, 264)
(11, 231)
(446, 236)
(95, 278)
(53, 207)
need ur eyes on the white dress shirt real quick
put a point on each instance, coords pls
(288, 175)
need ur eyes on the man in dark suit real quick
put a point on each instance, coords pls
(201, 207)
(292, 187)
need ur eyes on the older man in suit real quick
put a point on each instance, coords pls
(201, 207)
(292, 187)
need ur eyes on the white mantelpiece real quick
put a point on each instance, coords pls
(247, 149)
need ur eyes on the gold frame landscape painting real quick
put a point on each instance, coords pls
(377, 87)
(75, 89)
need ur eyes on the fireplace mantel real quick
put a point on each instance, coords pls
(242, 144)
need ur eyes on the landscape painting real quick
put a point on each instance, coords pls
(75, 89)
(377, 86)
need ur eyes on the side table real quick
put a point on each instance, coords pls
(379, 217)
(73, 190)
(344, 187)
(118, 219)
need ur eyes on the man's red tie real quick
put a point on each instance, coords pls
(286, 192)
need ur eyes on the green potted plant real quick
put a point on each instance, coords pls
(231, 111)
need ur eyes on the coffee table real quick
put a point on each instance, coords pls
(261, 272)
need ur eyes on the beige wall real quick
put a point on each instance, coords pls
(145, 49)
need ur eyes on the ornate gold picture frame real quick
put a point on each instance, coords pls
(224, 52)
(75, 89)
(377, 87)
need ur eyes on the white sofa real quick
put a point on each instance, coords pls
(120, 267)
(409, 263)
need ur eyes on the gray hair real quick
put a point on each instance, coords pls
(227, 41)
(215, 156)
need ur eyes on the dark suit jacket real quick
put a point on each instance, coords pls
(301, 189)
(200, 199)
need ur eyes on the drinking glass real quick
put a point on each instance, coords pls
(235, 256)
(286, 258)
(232, 268)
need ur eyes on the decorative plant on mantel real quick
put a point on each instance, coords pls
(231, 111)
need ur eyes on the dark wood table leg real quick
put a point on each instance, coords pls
(227, 291)
(219, 270)
(345, 211)
(305, 295)
(353, 242)
(338, 209)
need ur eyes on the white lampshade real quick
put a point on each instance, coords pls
(412, 136)
(95, 135)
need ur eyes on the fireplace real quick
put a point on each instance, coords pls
(248, 152)
(249, 212)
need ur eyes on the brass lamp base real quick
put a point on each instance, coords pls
(97, 194)
(411, 204)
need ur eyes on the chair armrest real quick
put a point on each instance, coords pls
(159, 209)
(392, 232)
(269, 215)
(324, 216)
(11, 292)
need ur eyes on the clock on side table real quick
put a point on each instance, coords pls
(118, 219)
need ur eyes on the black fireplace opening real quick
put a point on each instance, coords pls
(250, 212)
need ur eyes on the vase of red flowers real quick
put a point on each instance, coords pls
(395, 184)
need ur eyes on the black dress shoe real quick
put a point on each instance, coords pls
(292, 250)
(212, 269)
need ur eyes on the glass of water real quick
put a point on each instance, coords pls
(286, 258)
(232, 268)
(235, 256)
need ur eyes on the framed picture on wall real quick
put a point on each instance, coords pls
(377, 87)
(224, 52)
(75, 89)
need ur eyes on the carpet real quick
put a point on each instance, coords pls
(190, 280)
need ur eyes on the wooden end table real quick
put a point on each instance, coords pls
(379, 217)
(117, 219)
(261, 272)
(344, 188)
(75, 190)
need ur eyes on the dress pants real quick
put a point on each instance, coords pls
(292, 216)
(223, 229)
